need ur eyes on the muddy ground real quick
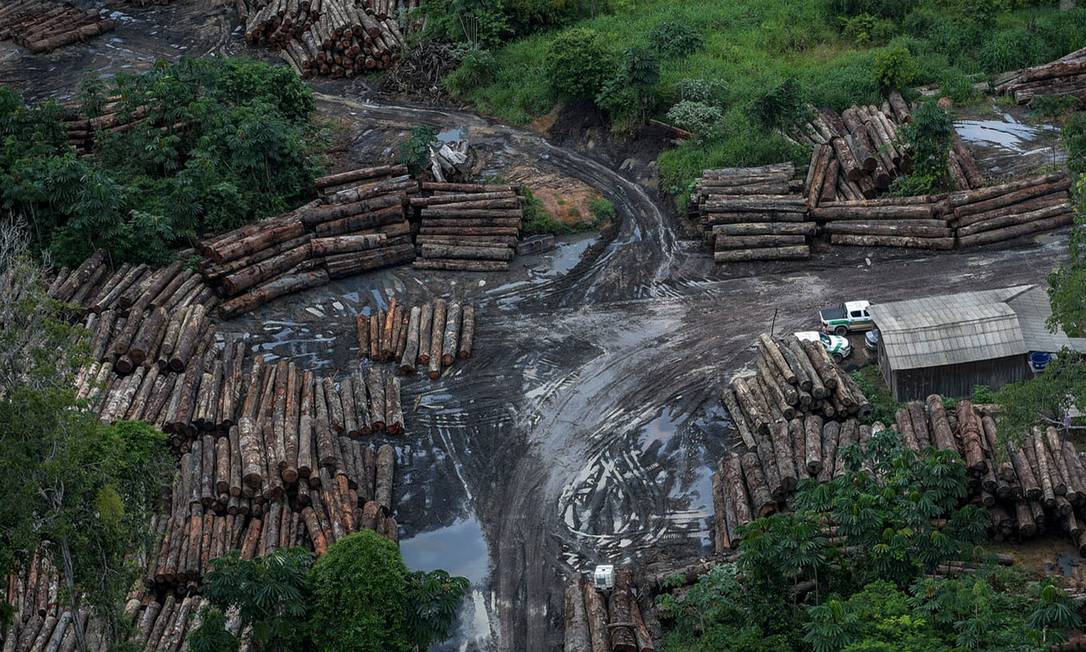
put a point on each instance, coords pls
(586, 426)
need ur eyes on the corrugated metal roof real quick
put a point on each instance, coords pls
(950, 329)
(1033, 310)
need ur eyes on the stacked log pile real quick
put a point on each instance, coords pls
(112, 117)
(1065, 76)
(43, 25)
(221, 503)
(1011, 210)
(596, 621)
(1029, 488)
(791, 416)
(427, 338)
(917, 222)
(752, 214)
(337, 38)
(467, 226)
(359, 224)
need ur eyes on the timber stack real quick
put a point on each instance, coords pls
(858, 153)
(1029, 487)
(1064, 76)
(1011, 210)
(753, 214)
(427, 338)
(467, 226)
(614, 621)
(919, 222)
(222, 508)
(111, 118)
(43, 25)
(358, 224)
(337, 38)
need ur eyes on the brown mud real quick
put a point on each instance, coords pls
(585, 427)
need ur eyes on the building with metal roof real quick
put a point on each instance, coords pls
(950, 344)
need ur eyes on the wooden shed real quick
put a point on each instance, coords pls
(949, 344)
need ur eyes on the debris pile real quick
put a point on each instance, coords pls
(752, 213)
(467, 226)
(429, 338)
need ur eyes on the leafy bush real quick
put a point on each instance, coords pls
(1010, 49)
(865, 29)
(957, 86)
(415, 151)
(675, 39)
(476, 68)
(713, 92)
(538, 220)
(603, 211)
(779, 104)
(364, 599)
(895, 67)
(699, 118)
(870, 382)
(223, 142)
(928, 138)
(578, 63)
(629, 93)
(1074, 139)
(894, 9)
(1053, 106)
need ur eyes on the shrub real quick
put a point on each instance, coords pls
(476, 69)
(536, 218)
(415, 151)
(894, 9)
(631, 91)
(359, 596)
(1074, 139)
(603, 211)
(578, 63)
(713, 92)
(779, 104)
(957, 86)
(1011, 49)
(928, 137)
(675, 39)
(865, 29)
(697, 117)
(895, 67)
(242, 152)
(1052, 106)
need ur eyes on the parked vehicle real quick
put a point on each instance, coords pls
(851, 317)
(838, 347)
(871, 340)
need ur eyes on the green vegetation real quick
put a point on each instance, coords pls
(603, 211)
(221, 143)
(877, 596)
(928, 135)
(870, 382)
(415, 151)
(771, 56)
(359, 596)
(80, 489)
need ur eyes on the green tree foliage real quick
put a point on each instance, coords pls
(218, 143)
(1045, 399)
(631, 91)
(674, 39)
(415, 151)
(896, 68)
(779, 103)
(928, 137)
(578, 63)
(878, 597)
(81, 489)
(272, 594)
(365, 599)
(1074, 139)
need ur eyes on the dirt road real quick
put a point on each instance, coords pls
(585, 427)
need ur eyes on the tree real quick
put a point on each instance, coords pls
(75, 489)
(270, 594)
(578, 63)
(928, 138)
(365, 600)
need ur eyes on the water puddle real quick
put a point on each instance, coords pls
(461, 550)
(1012, 144)
(1006, 133)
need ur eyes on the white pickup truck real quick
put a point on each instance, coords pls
(853, 316)
(839, 348)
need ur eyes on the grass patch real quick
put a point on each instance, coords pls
(749, 46)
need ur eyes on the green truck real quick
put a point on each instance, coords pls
(850, 318)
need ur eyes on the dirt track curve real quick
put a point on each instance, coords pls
(585, 427)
